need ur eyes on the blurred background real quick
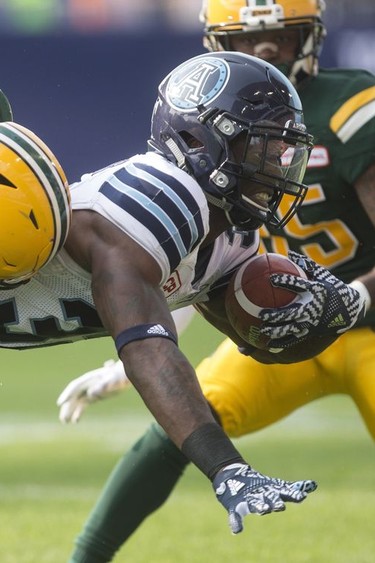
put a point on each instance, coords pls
(83, 74)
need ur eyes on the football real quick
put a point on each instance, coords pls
(250, 290)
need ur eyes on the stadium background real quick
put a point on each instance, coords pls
(83, 75)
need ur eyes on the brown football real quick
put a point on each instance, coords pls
(250, 290)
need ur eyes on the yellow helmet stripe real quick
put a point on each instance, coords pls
(353, 114)
(32, 155)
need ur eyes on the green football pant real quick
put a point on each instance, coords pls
(140, 483)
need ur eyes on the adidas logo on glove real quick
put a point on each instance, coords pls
(234, 486)
(337, 321)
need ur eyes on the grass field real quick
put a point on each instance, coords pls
(51, 474)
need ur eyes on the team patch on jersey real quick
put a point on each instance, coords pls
(319, 157)
(195, 83)
(172, 284)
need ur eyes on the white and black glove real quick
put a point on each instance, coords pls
(91, 387)
(243, 491)
(326, 306)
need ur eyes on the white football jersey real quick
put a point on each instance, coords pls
(165, 211)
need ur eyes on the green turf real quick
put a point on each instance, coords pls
(51, 474)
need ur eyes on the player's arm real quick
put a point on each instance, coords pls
(106, 380)
(125, 284)
(365, 189)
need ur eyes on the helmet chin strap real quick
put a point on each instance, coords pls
(177, 153)
(220, 203)
(307, 65)
(252, 224)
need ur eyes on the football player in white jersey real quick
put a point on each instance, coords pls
(162, 230)
(154, 233)
(257, 27)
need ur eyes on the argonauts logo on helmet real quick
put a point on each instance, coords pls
(197, 82)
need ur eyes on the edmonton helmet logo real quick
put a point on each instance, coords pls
(197, 82)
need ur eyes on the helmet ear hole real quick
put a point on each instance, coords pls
(191, 141)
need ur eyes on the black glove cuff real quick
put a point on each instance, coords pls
(210, 449)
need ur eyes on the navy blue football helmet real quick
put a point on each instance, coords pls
(214, 103)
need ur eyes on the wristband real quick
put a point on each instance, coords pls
(141, 332)
(210, 449)
(363, 291)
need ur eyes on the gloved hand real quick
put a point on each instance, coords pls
(90, 387)
(242, 491)
(326, 306)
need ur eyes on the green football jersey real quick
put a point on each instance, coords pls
(332, 227)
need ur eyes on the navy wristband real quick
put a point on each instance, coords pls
(141, 332)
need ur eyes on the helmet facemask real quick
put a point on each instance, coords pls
(270, 158)
(261, 162)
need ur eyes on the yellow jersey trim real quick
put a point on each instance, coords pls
(353, 114)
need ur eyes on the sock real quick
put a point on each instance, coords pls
(139, 484)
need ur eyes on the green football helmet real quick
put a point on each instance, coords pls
(5, 109)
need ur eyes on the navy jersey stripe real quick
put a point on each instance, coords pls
(177, 217)
(150, 206)
(183, 193)
(139, 212)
